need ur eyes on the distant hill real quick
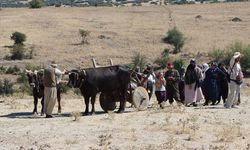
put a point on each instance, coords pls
(58, 3)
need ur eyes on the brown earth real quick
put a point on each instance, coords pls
(53, 33)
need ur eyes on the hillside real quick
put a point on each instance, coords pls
(53, 32)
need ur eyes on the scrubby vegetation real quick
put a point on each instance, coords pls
(162, 60)
(6, 87)
(224, 55)
(18, 52)
(36, 4)
(139, 60)
(178, 64)
(12, 70)
(176, 38)
(84, 35)
(18, 37)
(24, 84)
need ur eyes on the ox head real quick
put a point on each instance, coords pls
(34, 78)
(31, 78)
(75, 78)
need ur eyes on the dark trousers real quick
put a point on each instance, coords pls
(160, 96)
(173, 93)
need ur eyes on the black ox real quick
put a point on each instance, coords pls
(112, 79)
(36, 83)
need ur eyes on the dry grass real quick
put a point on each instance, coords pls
(229, 133)
(71, 141)
(76, 115)
(54, 32)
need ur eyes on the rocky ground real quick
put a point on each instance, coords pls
(175, 127)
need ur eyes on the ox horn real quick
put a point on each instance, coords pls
(83, 72)
(28, 71)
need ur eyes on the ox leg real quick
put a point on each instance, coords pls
(93, 104)
(59, 102)
(42, 102)
(122, 103)
(86, 99)
(35, 105)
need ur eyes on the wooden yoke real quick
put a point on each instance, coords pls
(97, 66)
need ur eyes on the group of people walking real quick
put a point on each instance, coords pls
(190, 85)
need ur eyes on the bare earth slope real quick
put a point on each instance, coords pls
(53, 32)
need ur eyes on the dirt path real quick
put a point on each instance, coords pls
(171, 128)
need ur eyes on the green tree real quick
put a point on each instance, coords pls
(36, 4)
(18, 37)
(175, 38)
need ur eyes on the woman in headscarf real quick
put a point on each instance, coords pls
(193, 77)
(223, 84)
(211, 84)
(205, 67)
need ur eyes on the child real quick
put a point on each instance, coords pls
(160, 90)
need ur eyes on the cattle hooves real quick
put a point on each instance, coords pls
(120, 111)
(205, 104)
(59, 111)
(85, 114)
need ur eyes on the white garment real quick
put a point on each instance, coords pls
(59, 74)
(193, 95)
(151, 78)
(235, 70)
(205, 67)
(234, 89)
(160, 84)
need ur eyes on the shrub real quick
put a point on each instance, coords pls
(175, 38)
(6, 87)
(217, 54)
(2, 69)
(178, 64)
(224, 55)
(161, 61)
(139, 60)
(23, 80)
(33, 67)
(18, 37)
(12, 70)
(18, 52)
(36, 4)
(84, 34)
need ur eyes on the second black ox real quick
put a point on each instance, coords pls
(104, 79)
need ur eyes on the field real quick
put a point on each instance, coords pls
(53, 35)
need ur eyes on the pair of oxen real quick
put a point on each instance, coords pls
(109, 80)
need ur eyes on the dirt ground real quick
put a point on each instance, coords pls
(175, 127)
